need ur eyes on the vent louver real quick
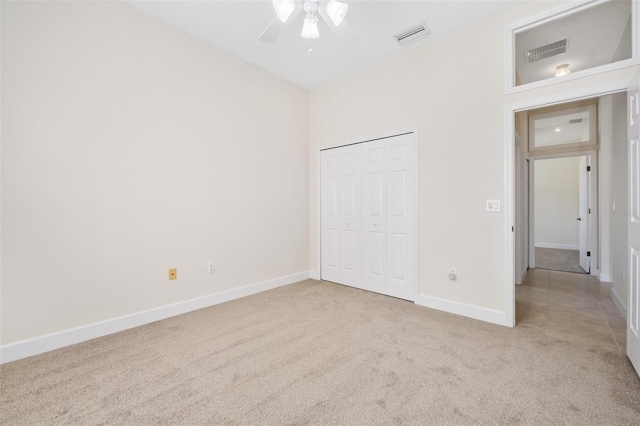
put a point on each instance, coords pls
(547, 51)
(412, 34)
(576, 120)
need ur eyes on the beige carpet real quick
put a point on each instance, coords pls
(558, 260)
(321, 353)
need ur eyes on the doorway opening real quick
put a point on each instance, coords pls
(564, 194)
(560, 195)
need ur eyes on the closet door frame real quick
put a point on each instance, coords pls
(416, 230)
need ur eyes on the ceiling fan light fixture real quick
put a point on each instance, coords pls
(284, 8)
(337, 11)
(310, 27)
(562, 70)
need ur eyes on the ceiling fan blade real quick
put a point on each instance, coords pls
(276, 27)
(273, 31)
(343, 31)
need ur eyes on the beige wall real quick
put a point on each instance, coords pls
(452, 88)
(557, 202)
(129, 147)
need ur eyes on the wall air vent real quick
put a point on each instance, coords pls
(576, 121)
(547, 51)
(412, 34)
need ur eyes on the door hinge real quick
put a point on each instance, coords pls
(589, 211)
(588, 168)
(588, 254)
(512, 229)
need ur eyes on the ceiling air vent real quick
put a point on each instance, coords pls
(412, 34)
(576, 121)
(547, 51)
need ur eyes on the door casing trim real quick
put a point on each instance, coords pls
(510, 178)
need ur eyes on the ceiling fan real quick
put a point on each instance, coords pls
(332, 12)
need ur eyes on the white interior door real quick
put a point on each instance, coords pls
(350, 216)
(633, 312)
(374, 219)
(367, 216)
(400, 233)
(330, 215)
(341, 216)
(387, 208)
(583, 219)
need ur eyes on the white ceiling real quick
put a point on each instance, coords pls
(594, 37)
(234, 26)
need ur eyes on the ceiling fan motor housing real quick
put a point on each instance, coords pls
(311, 7)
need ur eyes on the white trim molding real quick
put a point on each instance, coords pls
(549, 16)
(469, 311)
(616, 301)
(606, 278)
(558, 246)
(523, 275)
(509, 171)
(49, 342)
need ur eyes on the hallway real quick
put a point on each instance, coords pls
(572, 307)
(558, 260)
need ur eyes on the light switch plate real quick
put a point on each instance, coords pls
(493, 205)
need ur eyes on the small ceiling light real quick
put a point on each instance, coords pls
(284, 8)
(557, 129)
(310, 27)
(562, 70)
(310, 50)
(337, 11)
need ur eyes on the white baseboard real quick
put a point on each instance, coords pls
(315, 275)
(471, 311)
(616, 301)
(522, 276)
(558, 246)
(607, 278)
(49, 342)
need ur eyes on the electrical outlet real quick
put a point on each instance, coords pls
(453, 274)
(211, 267)
(173, 273)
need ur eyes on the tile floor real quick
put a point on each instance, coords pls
(574, 307)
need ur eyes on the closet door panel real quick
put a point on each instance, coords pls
(330, 215)
(399, 203)
(367, 202)
(350, 216)
(373, 217)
